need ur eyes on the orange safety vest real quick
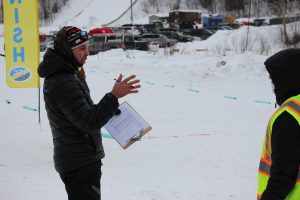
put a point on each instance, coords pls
(292, 106)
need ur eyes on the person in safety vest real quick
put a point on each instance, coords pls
(279, 177)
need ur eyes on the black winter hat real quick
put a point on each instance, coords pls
(284, 70)
(76, 37)
(63, 49)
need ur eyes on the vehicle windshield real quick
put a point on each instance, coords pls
(97, 39)
(48, 39)
(180, 34)
(149, 36)
(210, 31)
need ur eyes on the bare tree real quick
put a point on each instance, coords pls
(238, 8)
(231, 5)
(235, 6)
(150, 6)
(154, 3)
(257, 6)
(176, 5)
(279, 7)
(48, 8)
(209, 5)
(45, 10)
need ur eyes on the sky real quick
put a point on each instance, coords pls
(208, 104)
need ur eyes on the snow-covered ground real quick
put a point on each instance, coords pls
(208, 109)
(208, 123)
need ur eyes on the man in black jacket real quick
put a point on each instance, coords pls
(74, 119)
(279, 177)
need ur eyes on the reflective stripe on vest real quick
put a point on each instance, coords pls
(292, 106)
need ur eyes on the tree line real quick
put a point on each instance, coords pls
(47, 9)
(238, 8)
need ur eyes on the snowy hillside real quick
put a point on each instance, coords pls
(94, 13)
(208, 105)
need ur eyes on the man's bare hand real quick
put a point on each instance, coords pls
(124, 87)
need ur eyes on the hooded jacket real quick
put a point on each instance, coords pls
(284, 70)
(74, 119)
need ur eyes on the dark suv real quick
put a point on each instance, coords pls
(162, 40)
(202, 33)
(180, 37)
(259, 22)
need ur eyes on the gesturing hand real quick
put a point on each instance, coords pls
(126, 86)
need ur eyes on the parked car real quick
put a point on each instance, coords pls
(216, 28)
(234, 25)
(104, 42)
(162, 40)
(260, 22)
(50, 45)
(131, 43)
(152, 28)
(154, 46)
(132, 29)
(180, 37)
(206, 33)
(202, 33)
(99, 43)
(48, 39)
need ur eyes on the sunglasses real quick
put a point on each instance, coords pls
(84, 34)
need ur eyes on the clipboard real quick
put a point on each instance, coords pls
(127, 127)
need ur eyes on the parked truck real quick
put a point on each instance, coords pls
(130, 42)
(105, 42)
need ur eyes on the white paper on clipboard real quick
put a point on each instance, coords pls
(127, 126)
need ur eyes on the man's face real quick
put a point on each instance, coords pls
(80, 53)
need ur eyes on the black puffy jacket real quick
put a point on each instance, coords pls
(284, 70)
(74, 119)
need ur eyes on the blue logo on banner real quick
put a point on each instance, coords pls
(20, 74)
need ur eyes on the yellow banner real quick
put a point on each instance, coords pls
(21, 39)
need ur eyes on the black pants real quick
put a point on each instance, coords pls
(83, 183)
